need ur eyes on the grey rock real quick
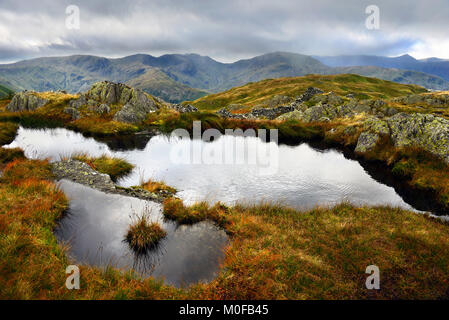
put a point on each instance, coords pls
(366, 142)
(184, 108)
(423, 130)
(25, 101)
(73, 112)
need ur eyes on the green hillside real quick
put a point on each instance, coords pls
(253, 94)
(5, 92)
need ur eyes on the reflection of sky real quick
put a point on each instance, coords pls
(96, 225)
(305, 177)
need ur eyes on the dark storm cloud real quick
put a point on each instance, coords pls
(225, 30)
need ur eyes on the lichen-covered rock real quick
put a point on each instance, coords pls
(325, 112)
(423, 130)
(294, 115)
(430, 99)
(328, 98)
(136, 103)
(25, 101)
(308, 94)
(376, 125)
(277, 100)
(82, 173)
(366, 142)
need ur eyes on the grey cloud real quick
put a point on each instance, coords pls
(226, 30)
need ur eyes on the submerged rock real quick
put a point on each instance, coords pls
(25, 101)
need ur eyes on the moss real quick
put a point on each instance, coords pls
(404, 168)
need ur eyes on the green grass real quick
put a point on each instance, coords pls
(115, 167)
(258, 93)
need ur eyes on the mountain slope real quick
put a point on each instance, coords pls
(78, 73)
(176, 77)
(259, 93)
(5, 92)
(433, 66)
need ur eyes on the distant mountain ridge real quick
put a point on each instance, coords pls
(180, 77)
(433, 66)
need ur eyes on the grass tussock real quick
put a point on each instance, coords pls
(115, 167)
(157, 187)
(8, 131)
(144, 235)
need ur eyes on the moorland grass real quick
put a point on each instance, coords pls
(143, 235)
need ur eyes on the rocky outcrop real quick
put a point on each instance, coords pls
(25, 101)
(136, 104)
(366, 142)
(308, 94)
(184, 108)
(267, 113)
(423, 130)
(328, 98)
(433, 100)
(82, 173)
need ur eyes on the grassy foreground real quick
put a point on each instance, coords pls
(275, 252)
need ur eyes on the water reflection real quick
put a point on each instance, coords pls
(306, 176)
(95, 228)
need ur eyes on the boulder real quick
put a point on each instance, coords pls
(184, 108)
(423, 130)
(328, 98)
(293, 115)
(308, 94)
(25, 101)
(366, 142)
(78, 103)
(136, 103)
(376, 125)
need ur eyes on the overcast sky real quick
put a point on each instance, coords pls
(226, 30)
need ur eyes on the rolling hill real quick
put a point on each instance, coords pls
(258, 93)
(433, 66)
(180, 77)
(5, 92)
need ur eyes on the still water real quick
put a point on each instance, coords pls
(96, 223)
